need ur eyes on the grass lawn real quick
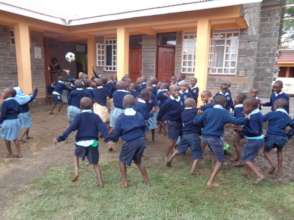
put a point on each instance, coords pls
(174, 194)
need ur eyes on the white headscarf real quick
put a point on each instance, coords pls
(20, 97)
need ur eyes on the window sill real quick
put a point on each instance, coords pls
(222, 74)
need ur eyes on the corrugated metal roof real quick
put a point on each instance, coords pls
(286, 57)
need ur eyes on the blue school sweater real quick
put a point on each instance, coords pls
(171, 110)
(141, 86)
(206, 106)
(89, 92)
(118, 97)
(100, 95)
(129, 126)
(229, 101)
(253, 125)
(152, 103)
(110, 88)
(75, 97)
(239, 111)
(9, 109)
(276, 96)
(195, 92)
(142, 107)
(59, 87)
(188, 127)
(214, 120)
(278, 121)
(25, 107)
(184, 95)
(88, 126)
(162, 96)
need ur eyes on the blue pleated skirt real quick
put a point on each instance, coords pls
(25, 120)
(115, 113)
(72, 112)
(10, 129)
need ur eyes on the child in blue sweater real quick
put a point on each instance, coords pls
(118, 97)
(278, 94)
(194, 89)
(190, 135)
(184, 91)
(9, 123)
(170, 111)
(89, 126)
(141, 104)
(74, 99)
(225, 91)
(130, 127)
(276, 135)
(238, 113)
(58, 87)
(206, 98)
(213, 121)
(25, 116)
(254, 137)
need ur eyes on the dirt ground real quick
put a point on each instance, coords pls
(40, 154)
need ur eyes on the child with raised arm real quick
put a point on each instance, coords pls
(213, 121)
(130, 127)
(190, 135)
(276, 135)
(58, 87)
(9, 123)
(277, 94)
(170, 111)
(25, 115)
(253, 134)
(89, 126)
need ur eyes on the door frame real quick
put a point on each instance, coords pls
(157, 55)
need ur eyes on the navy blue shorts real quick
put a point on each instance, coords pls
(91, 153)
(56, 99)
(274, 141)
(193, 142)
(251, 149)
(173, 130)
(216, 145)
(132, 151)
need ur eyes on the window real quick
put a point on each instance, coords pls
(100, 54)
(188, 53)
(106, 54)
(224, 53)
(110, 55)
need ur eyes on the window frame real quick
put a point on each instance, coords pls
(113, 43)
(193, 65)
(225, 53)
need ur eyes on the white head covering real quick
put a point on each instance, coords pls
(20, 97)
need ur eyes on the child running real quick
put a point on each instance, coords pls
(9, 123)
(190, 135)
(130, 126)
(213, 121)
(170, 111)
(276, 135)
(89, 126)
(253, 134)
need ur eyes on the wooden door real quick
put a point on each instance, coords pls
(135, 63)
(165, 63)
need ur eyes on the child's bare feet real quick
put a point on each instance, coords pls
(212, 185)
(238, 164)
(75, 179)
(271, 170)
(168, 163)
(124, 184)
(18, 155)
(259, 180)
(99, 184)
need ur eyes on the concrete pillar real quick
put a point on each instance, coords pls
(91, 56)
(23, 57)
(122, 67)
(202, 53)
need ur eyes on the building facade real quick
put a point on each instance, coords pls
(236, 44)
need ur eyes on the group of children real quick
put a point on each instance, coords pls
(145, 105)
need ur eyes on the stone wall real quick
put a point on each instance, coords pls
(149, 55)
(248, 41)
(8, 76)
(269, 36)
(178, 55)
(8, 67)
